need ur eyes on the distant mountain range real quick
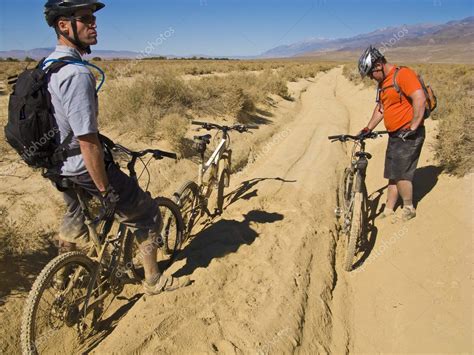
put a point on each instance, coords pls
(39, 53)
(449, 42)
(387, 38)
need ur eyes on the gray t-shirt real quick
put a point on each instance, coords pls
(75, 105)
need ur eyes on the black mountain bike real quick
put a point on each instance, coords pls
(352, 197)
(66, 302)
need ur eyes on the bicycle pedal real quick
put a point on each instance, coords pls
(338, 212)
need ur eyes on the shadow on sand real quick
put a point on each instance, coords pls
(215, 240)
(18, 273)
(222, 238)
(424, 181)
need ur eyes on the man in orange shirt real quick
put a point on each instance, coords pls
(402, 111)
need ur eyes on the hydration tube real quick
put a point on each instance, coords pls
(83, 63)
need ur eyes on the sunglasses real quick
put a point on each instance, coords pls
(86, 19)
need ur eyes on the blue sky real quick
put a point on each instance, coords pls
(225, 27)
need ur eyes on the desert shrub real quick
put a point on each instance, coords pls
(157, 89)
(173, 127)
(215, 96)
(169, 91)
(127, 107)
(139, 105)
(274, 83)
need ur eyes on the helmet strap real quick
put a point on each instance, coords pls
(74, 40)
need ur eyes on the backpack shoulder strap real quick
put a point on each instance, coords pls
(395, 83)
(62, 152)
(56, 64)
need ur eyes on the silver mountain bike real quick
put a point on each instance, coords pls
(193, 198)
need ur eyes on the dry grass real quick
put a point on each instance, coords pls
(141, 96)
(160, 91)
(454, 87)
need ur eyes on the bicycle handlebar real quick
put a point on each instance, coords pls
(157, 153)
(241, 128)
(346, 137)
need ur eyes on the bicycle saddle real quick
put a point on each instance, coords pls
(206, 138)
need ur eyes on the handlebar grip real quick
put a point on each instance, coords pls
(169, 155)
(198, 123)
(251, 126)
(333, 137)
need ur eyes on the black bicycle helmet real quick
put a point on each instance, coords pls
(56, 8)
(53, 9)
(367, 60)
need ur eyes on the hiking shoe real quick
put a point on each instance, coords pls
(408, 213)
(165, 283)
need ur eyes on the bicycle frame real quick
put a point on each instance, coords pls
(99, 248)
(214, 159)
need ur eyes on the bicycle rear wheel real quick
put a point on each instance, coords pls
(187, 199)
(54, 307)
(168, 242)
(357, 227)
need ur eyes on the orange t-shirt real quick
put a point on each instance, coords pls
(398, 113)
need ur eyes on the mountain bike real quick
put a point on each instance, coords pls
(193, 198)
(352, 197)
(67, 299)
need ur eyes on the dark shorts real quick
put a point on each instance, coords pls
(402, 157)
(136, 208)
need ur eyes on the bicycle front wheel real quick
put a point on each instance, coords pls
(54, 308)
(345, 189)
(173, 226)
(224, 179)
(187, 199)
(358, 221)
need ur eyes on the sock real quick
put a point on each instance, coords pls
(388, 210)
(153, 279)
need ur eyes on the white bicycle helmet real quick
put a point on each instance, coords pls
(367, 60)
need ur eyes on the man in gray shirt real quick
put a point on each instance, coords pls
(75, 108)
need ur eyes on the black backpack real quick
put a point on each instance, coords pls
(31, 128)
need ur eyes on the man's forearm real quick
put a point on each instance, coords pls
(419, 100)
(93, 155)
(418, 113)
(377, 116)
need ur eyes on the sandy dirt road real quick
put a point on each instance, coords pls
(268, 273)
(268, 277)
